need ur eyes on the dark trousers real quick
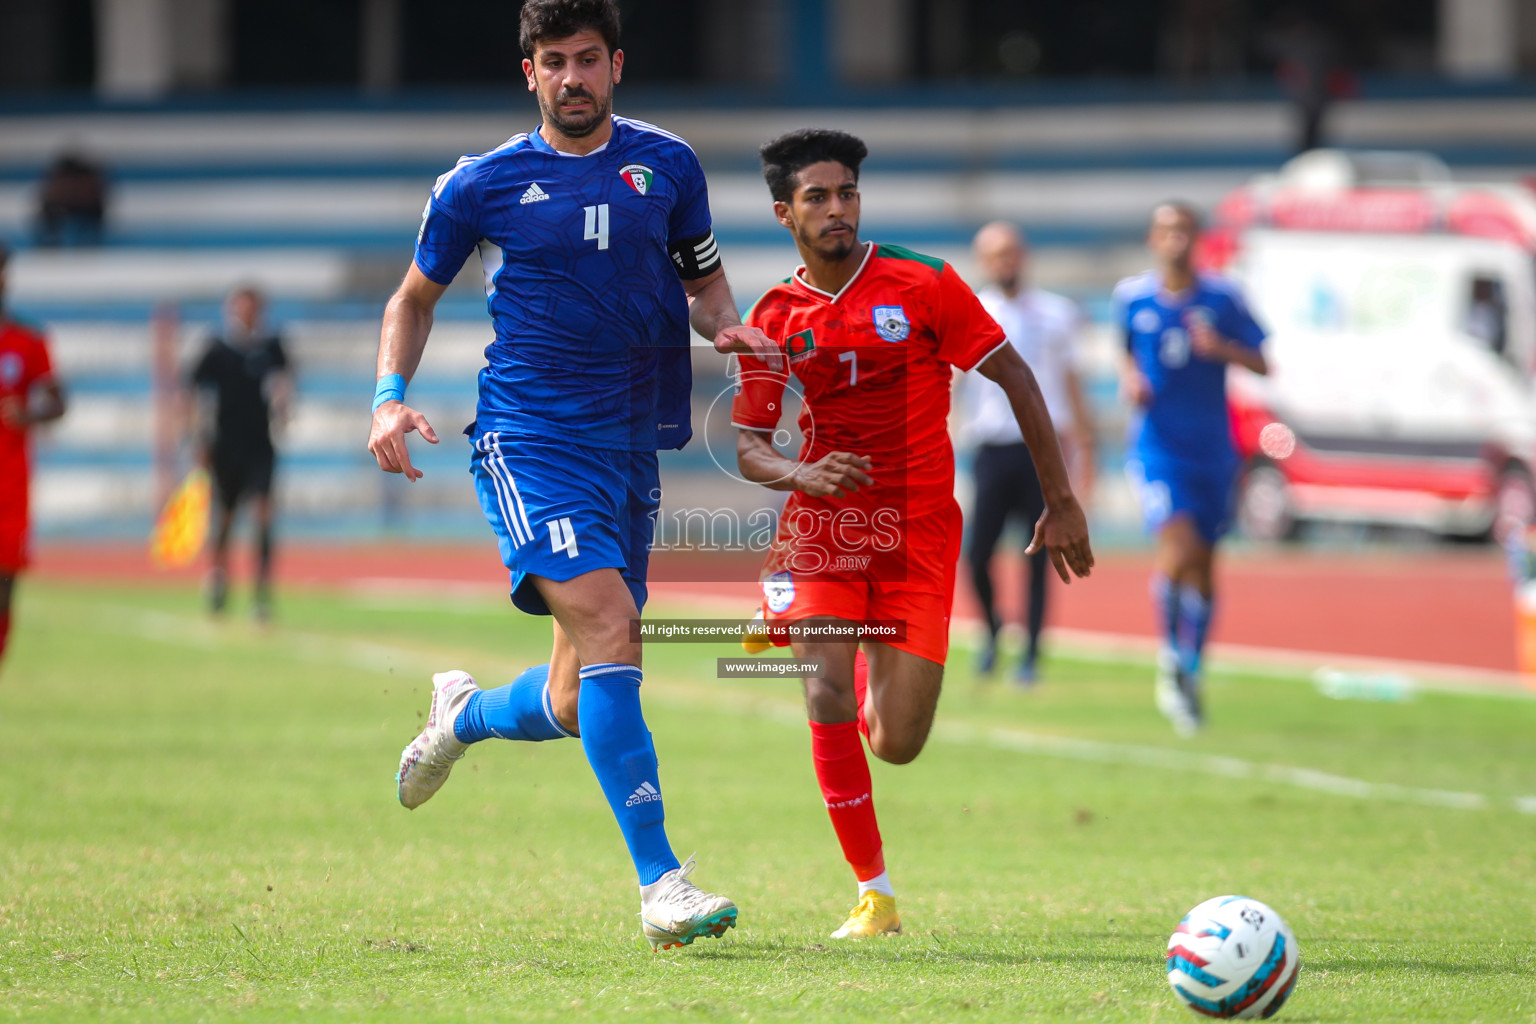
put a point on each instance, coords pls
(1006, 486)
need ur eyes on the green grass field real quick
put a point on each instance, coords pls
(198, 822)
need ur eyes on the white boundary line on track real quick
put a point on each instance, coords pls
(186, 631)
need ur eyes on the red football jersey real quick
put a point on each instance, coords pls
(24, 363)
(873, 362)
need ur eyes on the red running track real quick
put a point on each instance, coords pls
(1448, 607)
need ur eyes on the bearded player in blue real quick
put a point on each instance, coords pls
(594, 234)
(1182, 329)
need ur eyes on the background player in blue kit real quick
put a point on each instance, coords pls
(595, 237)
(1182, 329)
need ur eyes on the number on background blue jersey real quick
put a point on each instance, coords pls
(1173, 351)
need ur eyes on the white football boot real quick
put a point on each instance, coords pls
(1172, 699)
(674, 911)
(425, 764)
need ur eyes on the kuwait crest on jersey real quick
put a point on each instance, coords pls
(798, 346)
(891, 323)
(637, 177)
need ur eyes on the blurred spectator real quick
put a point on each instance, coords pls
(241, 385)
(1201, 41)
(1043, 327)
(29, 394)
(72, 203)
(1307, 63)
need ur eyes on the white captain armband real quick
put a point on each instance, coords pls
(696, 257)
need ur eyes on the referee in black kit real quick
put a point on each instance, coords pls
(242, 385)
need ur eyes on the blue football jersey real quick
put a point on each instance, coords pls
(590, 317)
(1187, 420)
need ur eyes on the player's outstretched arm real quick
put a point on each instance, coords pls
(402, 339)
(1063, 529)
(835, 475)
(712, 312)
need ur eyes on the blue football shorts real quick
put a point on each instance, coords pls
(563, 510)
(1206, 494)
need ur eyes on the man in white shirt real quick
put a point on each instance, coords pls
(1043, 327)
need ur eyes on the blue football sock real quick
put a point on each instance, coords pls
(1194, 624)
(623, 758)
(1165, 599)
(517, 711)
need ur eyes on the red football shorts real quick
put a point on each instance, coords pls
(922, 600)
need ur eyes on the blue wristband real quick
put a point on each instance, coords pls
(391, 388)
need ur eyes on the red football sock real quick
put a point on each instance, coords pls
(5, 629)
(843, 774)
(861, 688)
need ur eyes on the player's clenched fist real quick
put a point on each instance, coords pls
(836, 474)
(386, 440)
(1203, 339)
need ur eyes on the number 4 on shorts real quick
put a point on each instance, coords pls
(562, 537)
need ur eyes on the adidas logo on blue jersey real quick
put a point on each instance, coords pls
(533, 195)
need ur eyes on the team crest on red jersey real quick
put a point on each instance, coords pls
(637, 177)
(891, 323)
(779, 590)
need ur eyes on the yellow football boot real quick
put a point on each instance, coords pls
(875, 915)
(754, 638)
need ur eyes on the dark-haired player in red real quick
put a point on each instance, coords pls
(29, 394)
(871, 534)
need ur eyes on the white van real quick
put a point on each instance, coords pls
(1401, 307)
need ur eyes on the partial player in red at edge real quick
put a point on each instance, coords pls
(29, 394)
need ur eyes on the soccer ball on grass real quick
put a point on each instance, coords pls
(1233, 957)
